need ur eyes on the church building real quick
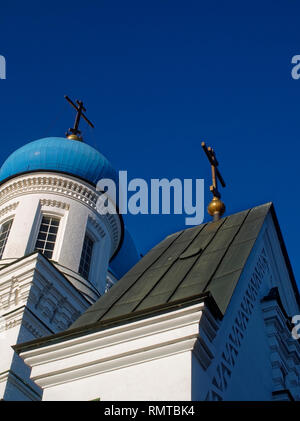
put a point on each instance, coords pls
(204, 315)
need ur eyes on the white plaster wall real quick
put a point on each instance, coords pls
(164, 379)
(23, 221)
(7, 338)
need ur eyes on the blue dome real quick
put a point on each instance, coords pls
(75, 158)
(61, 155)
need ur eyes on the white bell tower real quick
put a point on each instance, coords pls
(55, 247)
(56, 214)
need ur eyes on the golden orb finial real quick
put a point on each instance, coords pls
(73, 137)
(216, 208)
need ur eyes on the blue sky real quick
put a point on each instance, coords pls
(158, 77)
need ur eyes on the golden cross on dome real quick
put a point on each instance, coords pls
(216, 208)
(74, 133)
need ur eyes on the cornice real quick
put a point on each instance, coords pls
(54, 204)
(8, 208)
(97, 226)
(112, 349)
(65, 186)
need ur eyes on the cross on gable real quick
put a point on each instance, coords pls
(216, 175)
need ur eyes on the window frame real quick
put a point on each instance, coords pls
(45, 211)
(46, 215)
(4, 221)
(98, 250)
(92, 238)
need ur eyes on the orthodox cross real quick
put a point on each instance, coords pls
(216, 208)
(74, 132)
(210, 153)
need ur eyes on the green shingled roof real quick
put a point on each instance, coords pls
(208, 258)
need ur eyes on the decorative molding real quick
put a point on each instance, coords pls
(34, 325)
(97, 226)
(233, 343)
(51, 306)
(8, 208)
(12, 319)
(64, 186)
(11, 294)
(204, 348)
(10, 377)
(54, 203)
(50, 184)
(111, 349)
(114, 228)
(37, 285)
(284, 350)
(14, 292)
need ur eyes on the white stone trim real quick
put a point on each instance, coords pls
(284, 350)
(111, 349)
(28, 392)
(34, 325)
(12, 319)
(8, 208)
(54, 203)
(204, 349)
(27, 283)
(97, 226)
